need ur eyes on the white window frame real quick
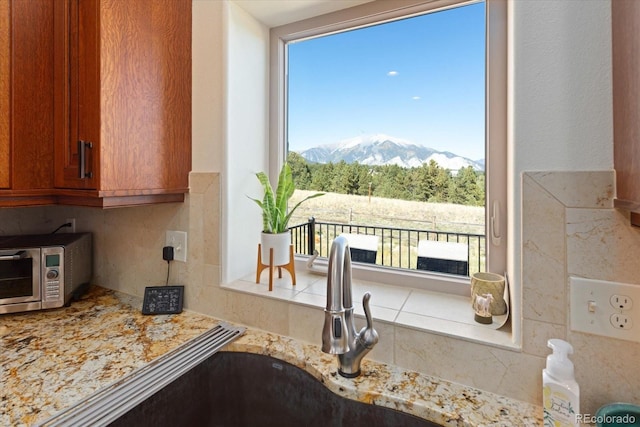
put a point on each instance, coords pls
(496, 120)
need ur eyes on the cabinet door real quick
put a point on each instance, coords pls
(5, 93)
(626, 104)
(129, 107)
(32, 106)
(26, 95)
(145, 55)
(78, 94)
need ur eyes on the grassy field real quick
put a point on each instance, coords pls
(377, 211)
(400, 249)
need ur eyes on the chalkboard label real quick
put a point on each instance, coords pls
(162, 300)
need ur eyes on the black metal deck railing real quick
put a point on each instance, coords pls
(396, 247)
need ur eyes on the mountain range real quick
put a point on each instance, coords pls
(382, 149)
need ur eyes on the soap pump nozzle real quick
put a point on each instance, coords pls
(558, 364)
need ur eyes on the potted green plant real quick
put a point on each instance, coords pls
(275, 216)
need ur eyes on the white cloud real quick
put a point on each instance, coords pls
(392, 73)
(415, 98)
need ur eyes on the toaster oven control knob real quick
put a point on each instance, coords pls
(52, 274)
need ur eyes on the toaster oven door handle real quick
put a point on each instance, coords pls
(17, 255)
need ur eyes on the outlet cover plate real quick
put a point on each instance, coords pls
(177, 239)
(592, 310)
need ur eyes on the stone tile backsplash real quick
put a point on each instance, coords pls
(571, 229)
(568, 228)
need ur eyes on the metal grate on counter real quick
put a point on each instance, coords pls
(110, 402)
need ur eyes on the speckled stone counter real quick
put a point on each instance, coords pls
(434, 399)
(51, 360)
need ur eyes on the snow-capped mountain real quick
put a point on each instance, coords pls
(382, 149)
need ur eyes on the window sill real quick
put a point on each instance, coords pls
(430, 311)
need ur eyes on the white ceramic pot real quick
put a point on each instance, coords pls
(280, 243)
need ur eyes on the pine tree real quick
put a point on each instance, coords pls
(428, 183)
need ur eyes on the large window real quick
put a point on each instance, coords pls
(399, 116)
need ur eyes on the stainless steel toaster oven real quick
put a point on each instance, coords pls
(43, 271)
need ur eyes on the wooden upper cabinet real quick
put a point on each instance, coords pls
(26, 102)
(626, 104)
(124, 136)
(5, 93)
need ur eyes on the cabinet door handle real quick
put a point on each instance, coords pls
(82, 158)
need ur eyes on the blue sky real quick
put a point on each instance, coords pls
(419, 79)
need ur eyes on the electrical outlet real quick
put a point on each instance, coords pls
(621, 321)
(621, 302)
(71, 229)
(177, 239)
(604, 308)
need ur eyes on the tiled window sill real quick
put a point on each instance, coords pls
(429, 311)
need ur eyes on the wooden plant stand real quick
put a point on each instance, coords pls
(289, 267)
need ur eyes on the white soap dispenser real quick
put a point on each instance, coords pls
(560, 391)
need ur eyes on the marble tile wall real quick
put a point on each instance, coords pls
(569, 228)
(128, 241)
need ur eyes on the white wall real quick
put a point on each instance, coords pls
(247, 48)
(230, 115)
(561, 115)
(562, 85)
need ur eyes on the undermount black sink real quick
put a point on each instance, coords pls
(243, 389)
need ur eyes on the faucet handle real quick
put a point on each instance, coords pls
(367, 335)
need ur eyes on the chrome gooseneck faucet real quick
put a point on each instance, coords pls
(339, 334)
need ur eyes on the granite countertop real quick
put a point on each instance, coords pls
(434, 399)
(50, 360)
